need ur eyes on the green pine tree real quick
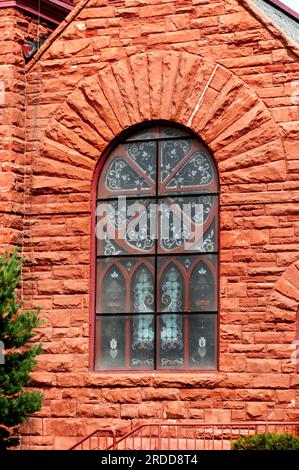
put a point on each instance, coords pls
(16, 329)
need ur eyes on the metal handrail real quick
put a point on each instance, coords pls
(205, 430)
(105, 431)
(204, 426)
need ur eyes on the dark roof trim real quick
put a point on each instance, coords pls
(248, 4)
(284, 8)
(51, 10)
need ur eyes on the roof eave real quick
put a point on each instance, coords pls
(50, 10)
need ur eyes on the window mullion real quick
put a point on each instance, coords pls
(157, 234)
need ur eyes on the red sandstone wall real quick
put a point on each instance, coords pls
(15, 27)
(252, 129)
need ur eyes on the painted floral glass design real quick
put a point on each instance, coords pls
(156, 283)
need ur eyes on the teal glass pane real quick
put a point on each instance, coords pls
(187, 341)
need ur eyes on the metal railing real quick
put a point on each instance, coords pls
(182, 436)
(196, 436)
(101, 439)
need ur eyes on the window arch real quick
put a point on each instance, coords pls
(157, 254)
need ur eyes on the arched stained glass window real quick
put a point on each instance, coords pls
(157, 254)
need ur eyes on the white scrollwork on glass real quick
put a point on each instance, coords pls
(143, 290)
(171, 290)
(189, 206)
(172, 153)
(208, 242)
(117, 213)
(171, 332)
(143, 334)
(174, 232)
(172, 301)
(139, 233)
(122, 177)
(110, 249)
(172, 362)
(197, 171)
(177, 218)
(140, 217)
(142, 362)
(143, 302)
(207, 202)
(144, 154)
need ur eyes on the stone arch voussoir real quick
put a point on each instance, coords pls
(284, 300)
(175, 86)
